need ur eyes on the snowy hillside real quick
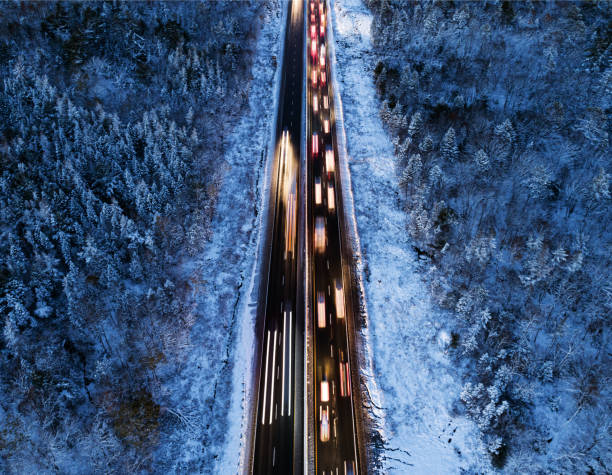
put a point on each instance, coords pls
(118, 132)
(494, 197)
(133, 147)
(410, 380)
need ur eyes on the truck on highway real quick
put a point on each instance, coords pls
(321, 309)
(319, 235)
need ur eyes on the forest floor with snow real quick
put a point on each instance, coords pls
(473, 148)
(211, 389)
(414, 384)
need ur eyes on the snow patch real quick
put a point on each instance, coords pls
(213, 387)
(410, 379)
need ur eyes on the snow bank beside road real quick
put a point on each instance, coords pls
(417, 383)
(253, 135)
(215, 405)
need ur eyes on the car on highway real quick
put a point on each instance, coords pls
(315, 104)
(314, 77)
(318, 190)
(322, 59)
(339, 297)
(326, 126)
(313, 50)
(331, 199)
(313, 20)
(312, 7)
(325, 102)
(321, 309)
(321, 9)
(322, 30)
(329, 161)
(319, 238)
(324, 423)
(324, 390)
(323, 78)
(315, 144)
(313, 31)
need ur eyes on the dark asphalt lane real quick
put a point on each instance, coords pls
(333, 345)
(278, 423)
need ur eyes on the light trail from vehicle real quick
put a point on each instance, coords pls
(263, 413)
(273, 376)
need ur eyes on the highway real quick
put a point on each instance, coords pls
(306, 260)
(336, 442)
(278, 444)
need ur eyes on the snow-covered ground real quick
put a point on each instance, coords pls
(413, 382)
(211, 390)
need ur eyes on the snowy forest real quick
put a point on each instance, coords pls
(114, 124)
(500, 116)
(112, 121)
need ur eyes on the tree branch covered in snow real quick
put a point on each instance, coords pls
(112, 121)
(500, 115)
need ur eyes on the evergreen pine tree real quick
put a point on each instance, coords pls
(448, 147)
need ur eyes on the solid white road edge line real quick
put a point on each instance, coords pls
(263, 409)
(273, 378)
